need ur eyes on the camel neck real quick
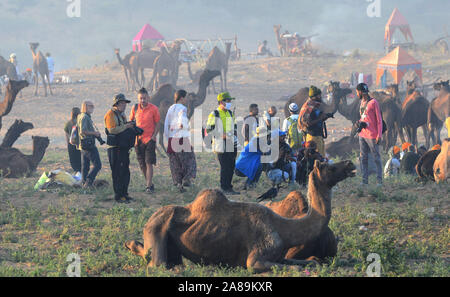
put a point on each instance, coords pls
(299, 231)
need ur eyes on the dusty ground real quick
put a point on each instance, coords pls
(38, 229)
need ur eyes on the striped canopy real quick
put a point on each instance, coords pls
(398, 62)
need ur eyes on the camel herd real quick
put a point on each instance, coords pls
(165, 64)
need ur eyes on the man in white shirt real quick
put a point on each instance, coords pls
(51, 67)
(183, 166)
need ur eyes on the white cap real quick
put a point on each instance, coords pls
(13, 55)
(293, 107)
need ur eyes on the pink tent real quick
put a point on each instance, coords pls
(147, 33)
(397, 21)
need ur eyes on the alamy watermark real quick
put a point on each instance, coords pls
(74, 268)
(374, 9)
(374, 268)
(73, 10)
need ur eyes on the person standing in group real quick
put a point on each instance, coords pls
(74, 153)
(268, 117)
(311, 119)
(222, 123)
(146, 115)
(87, 133)
(119, 156)
(183, 166)
(371, 127)
(51, 67)
(295, 137)
(251, 123)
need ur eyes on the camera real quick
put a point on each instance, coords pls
(138, 130)
(360, 126)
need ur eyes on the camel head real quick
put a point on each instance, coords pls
(393, 89)
(34, 45)
(116, 51)
(14, 86)
(335, 89)
(410, 86)
(331, 174)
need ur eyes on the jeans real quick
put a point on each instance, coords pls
(369, 145)
(119, 161)
(227, 162)
(86, 158)
(292, 169)
(74, 157)
(277, 176)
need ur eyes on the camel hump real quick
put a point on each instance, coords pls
(207, 200)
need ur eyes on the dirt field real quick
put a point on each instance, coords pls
(406, 223)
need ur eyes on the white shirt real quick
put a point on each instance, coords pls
(392, 167)
(176, 124)
(287, 124)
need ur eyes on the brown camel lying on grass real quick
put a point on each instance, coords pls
(213, 230)
(324, 246)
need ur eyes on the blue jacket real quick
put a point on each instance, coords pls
(249, 160)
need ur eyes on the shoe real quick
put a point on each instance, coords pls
(123, 200)
(180, 188)
(231, 192)
(187, 183)
(150, 190)
(129, 198)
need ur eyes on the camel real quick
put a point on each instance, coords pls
(438, 111)
(342, 148)
(167, 61)
(15, 164)
(276, 29)
(302, 96)
(195, 77)
(163, 98)
(442, 163)
(127, 68)
(40, 66)
(145, 59)
(424, 167)
(324, 246)
(213, 230)
(7, 68)
(414, 115)
(12, 89)
(217, 60)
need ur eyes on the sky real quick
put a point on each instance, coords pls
(342, 25)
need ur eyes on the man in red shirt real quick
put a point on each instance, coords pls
(147, 118)
(371, 125)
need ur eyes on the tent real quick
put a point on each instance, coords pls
(398, 62)
(147, 33)
(397, 21)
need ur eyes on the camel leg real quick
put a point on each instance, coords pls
(45, 84)
(142, 78)
(221, 82)
(126, 78)
(213, 86)
(400, 132)
(36, 83)
(225, 79)
(426, 135)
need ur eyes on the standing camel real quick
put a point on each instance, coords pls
(281, 48)
(166, 63)
(303, 94)
(217, 60)
(163, 99)
(40, 66)
(414, 114)
(439, 110)
(145, 59)
(127, 69)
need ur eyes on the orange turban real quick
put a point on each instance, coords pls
(396, 150)
(436, 147)
(405, 146)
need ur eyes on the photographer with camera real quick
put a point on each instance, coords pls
(89, 152)
(118, 154)
(311, 119)
(370, 128)
(146, 116)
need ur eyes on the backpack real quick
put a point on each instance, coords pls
(294, 136)
(74, 138)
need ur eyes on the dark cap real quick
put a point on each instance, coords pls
(362, 87)
(118, 98)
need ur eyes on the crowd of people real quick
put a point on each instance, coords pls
(289, 153)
